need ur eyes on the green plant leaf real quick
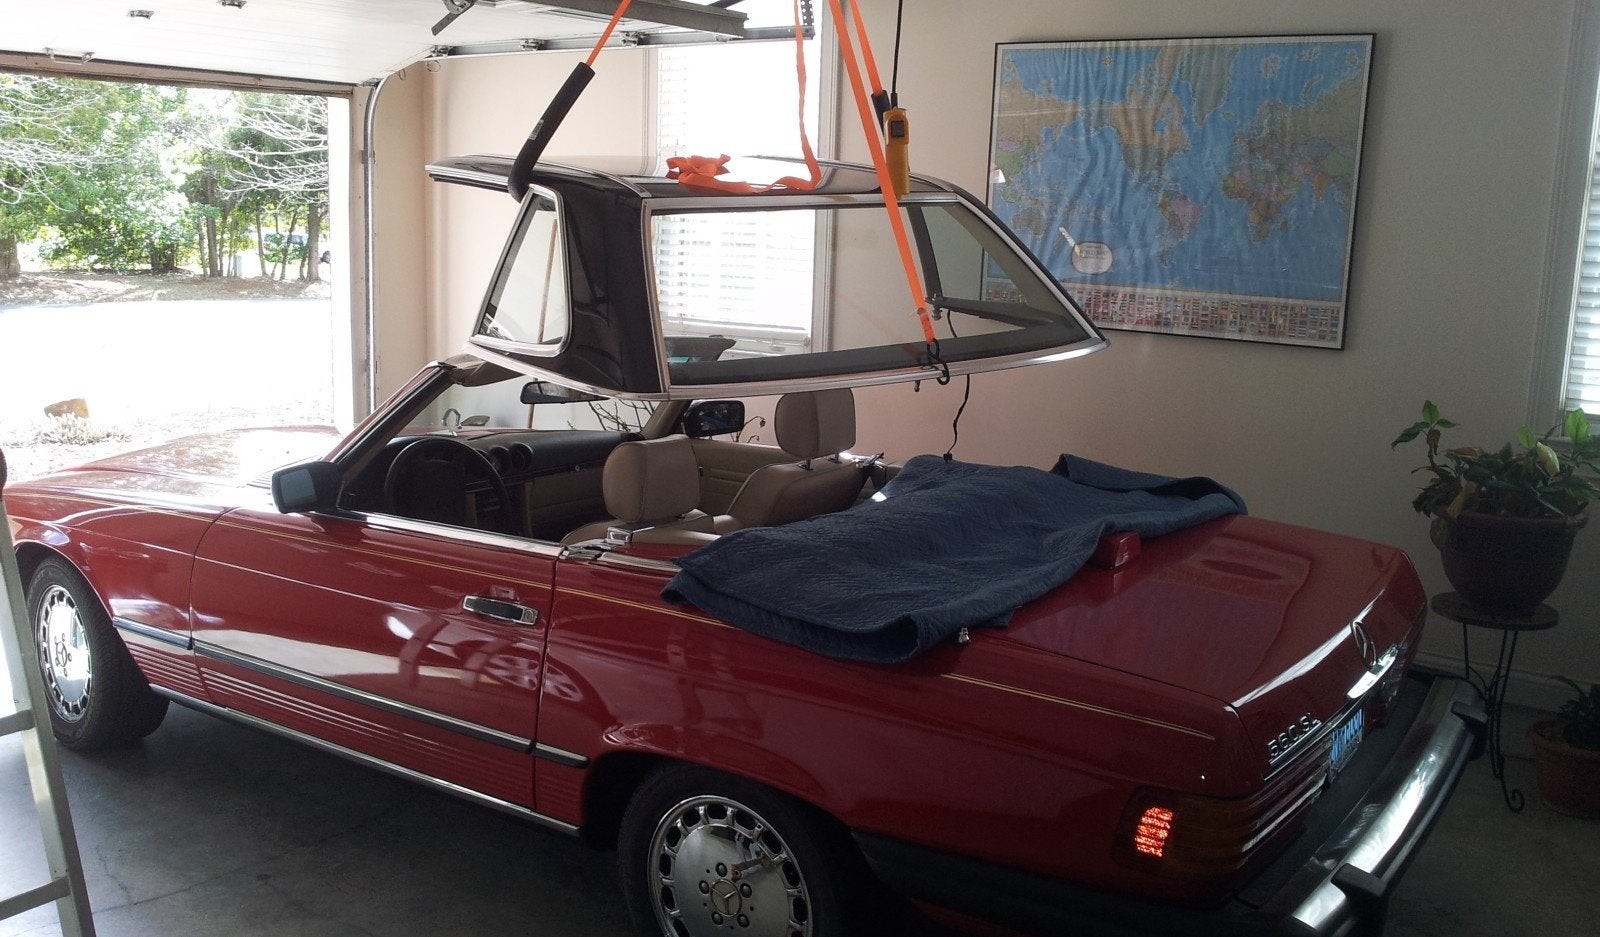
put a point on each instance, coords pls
(1447, 424)
(1430, 412)
(1526, 438)
(1577, 426)
(1409, 433)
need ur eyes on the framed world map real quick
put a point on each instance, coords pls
(1187, 186)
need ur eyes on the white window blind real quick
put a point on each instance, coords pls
(1583, 355)
(737, 99)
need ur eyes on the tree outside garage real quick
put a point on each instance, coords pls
(118, 177)
(161, 252)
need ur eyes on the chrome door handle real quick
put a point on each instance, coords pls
(501, 610)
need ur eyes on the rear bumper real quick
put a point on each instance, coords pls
(1334, 881)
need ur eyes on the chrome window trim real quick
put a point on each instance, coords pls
(176, 639)
(546, 549)
(342, 691)
(388, 767)
(507, 257)
(1093, 340)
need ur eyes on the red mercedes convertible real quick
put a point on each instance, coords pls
(792, 685)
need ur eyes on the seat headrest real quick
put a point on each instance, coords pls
(816, 423)
(651, 480)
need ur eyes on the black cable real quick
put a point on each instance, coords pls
(955, 424)
(894, 76)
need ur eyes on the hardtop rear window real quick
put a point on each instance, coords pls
(813, 292)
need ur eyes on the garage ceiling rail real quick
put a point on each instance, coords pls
(324, 46)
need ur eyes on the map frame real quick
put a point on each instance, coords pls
(1224, 308)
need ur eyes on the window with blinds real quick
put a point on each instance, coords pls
(1583, 351)
(737, 99)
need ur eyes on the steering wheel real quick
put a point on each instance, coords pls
(429, 480)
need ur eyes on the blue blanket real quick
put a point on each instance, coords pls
(949, 545)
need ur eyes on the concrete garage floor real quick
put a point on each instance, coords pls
(214, 829)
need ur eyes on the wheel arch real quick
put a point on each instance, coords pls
(31, 554)
(617, 774)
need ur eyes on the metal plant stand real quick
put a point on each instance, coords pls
(1492, 690)
(66, 886)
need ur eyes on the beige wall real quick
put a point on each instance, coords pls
(399, 227)
(1452, 238)
(1458, 175)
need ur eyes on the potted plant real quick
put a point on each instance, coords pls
(1504, 519)
(1566, 754)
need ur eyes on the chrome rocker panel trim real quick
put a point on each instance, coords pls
(388, 767)
(177, 639)
(351, 694)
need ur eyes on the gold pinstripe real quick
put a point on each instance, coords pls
(648, 608)
(1088, 707)
(380, 554)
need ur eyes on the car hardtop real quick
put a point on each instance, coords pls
(648, 180)
(612, 269)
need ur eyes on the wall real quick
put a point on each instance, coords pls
(1452, 239)
(399, 226)
(1457, 179)
(488, 105)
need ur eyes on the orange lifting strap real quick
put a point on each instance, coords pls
(701, 172)
(606, 36)
(869, 126)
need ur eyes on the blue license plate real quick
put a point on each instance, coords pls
(1346, 739)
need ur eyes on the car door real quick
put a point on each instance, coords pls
(416, 644)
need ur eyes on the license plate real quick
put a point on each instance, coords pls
(1346, 739)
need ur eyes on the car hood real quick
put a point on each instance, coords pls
(1270, 619)
(204, 468)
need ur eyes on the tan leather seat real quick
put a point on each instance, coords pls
(651, 486)
(814, 427)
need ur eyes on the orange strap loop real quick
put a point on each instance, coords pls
(869, 126)
(700, 173)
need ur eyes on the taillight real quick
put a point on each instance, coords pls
(1208, 839)
(1150, 836)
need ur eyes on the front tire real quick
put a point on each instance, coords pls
(96, 695)
(703, 854)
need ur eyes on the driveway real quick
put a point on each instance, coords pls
(154, 369)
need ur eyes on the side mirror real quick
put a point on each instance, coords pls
(309, 486)
(713, 418)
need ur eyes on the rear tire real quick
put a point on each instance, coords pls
(96, 696)
(703, 853)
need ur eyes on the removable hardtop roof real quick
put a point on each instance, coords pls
(649, 181)
(615, 278)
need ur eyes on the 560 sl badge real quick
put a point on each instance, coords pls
(1297, 730)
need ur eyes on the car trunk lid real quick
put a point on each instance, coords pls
(1276, 621)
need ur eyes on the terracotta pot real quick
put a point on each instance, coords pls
(1505, 565)
(1569, 778)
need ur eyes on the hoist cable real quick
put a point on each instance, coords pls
(894, 73)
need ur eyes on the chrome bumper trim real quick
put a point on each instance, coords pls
(1367, 856)
(388, 767)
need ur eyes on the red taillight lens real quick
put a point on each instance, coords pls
(1151, 834)
(1210, 840)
